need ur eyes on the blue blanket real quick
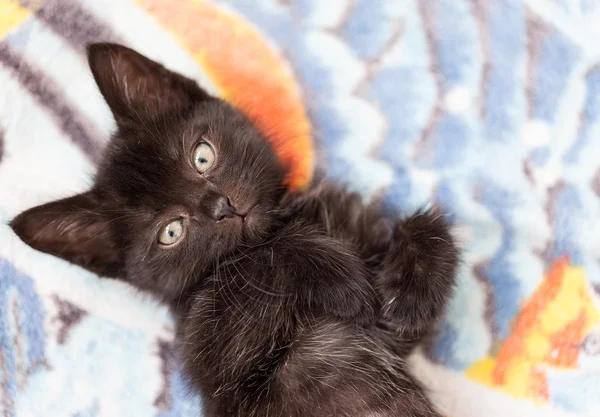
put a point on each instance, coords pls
(487, 107)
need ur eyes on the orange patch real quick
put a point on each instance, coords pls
(250, 73)
(547, 334)
(528, 319)
(538, 385)
(564, 351)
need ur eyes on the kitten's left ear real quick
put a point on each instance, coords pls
(72, 229)
(136, 88)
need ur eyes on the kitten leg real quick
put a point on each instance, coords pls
(418, 273)
(343, 216)
(412, 263)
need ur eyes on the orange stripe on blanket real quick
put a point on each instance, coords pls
(529, 317)
(250, 73)
(547, 335)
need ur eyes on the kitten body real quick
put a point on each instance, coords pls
(287, 304)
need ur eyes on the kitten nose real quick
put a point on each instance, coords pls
(223, 209)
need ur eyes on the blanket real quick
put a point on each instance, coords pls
(488, 108)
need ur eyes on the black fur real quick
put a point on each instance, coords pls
(299, 304)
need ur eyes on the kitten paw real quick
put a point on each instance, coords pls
(419, 272)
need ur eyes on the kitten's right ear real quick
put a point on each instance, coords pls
(74, 230)
(138, 89)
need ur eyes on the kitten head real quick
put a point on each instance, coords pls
(185, 180)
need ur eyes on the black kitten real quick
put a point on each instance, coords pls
(288, 305)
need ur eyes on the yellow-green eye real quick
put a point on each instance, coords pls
(204, 157)
(171, 233)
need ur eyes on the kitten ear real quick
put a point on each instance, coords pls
(72, 229)
(139, 89)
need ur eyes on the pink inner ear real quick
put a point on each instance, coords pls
(70, 229)
(137, 88)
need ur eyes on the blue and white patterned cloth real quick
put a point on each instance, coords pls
(489, 107)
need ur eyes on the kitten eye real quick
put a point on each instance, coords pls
(171, 233)
(204, 157)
